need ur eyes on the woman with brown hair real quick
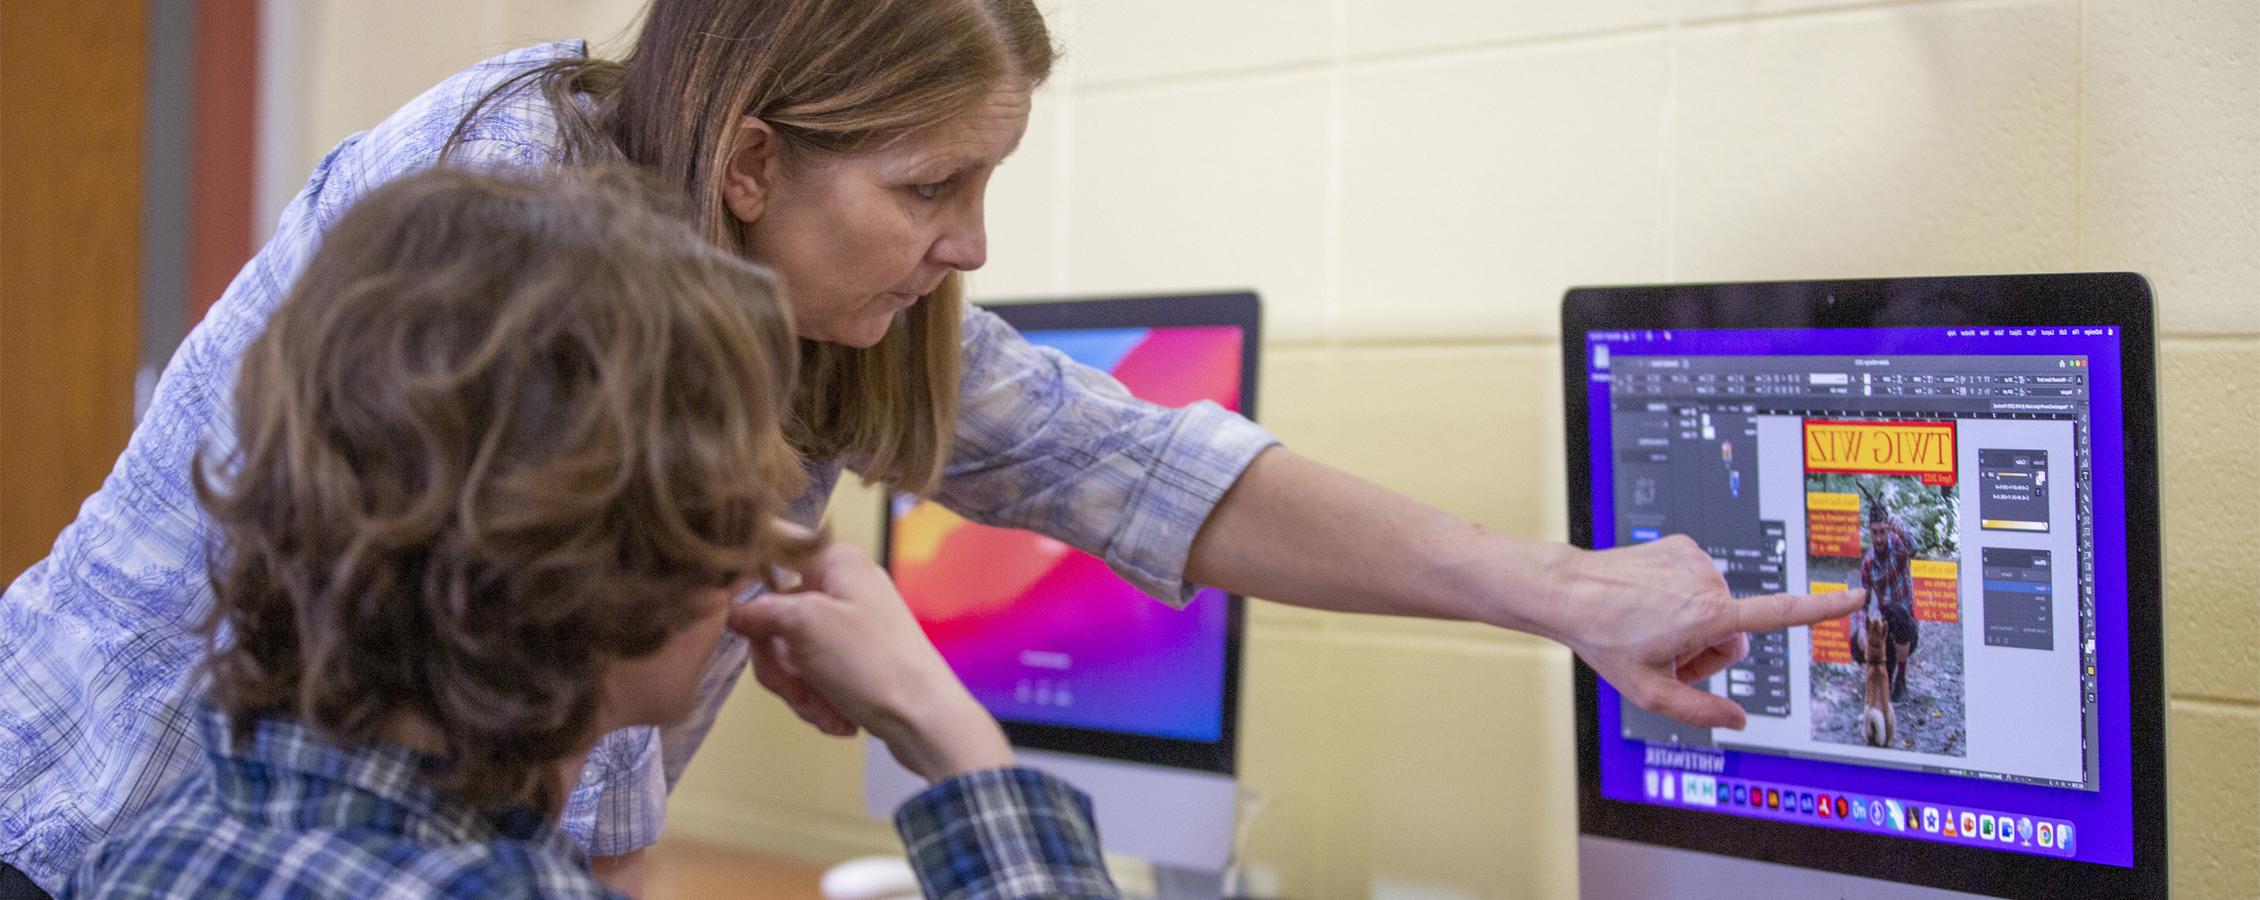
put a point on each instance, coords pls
(848, 145)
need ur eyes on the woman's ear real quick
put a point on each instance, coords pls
(751, 170)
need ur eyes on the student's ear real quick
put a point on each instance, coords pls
(751, 170)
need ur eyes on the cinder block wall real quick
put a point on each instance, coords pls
(1412, 183)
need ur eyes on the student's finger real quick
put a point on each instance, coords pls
(800, 697)
(781, 653)
(845, 572)
(771, 625)
(797, 693)
(1777, 611)
(793, 691)
(771, 671)
(771, 615)
(827, 718)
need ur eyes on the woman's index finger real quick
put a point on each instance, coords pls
(1774, 612)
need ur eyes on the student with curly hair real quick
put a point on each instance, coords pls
(509, 451)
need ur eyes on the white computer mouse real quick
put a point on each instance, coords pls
(870, 878)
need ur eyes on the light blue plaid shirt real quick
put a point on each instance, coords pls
(97, 643)
(285, 813)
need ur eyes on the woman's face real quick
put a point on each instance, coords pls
(859, 239)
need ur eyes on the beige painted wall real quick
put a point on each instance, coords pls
(1412, 183)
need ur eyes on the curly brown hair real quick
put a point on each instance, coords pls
(499, 433)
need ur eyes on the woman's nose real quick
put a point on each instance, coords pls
(964, 245)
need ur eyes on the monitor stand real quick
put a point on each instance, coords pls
(1612, 869)
(1178, 819)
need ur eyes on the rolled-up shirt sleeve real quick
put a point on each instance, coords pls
(1053, 446)
(999, 834)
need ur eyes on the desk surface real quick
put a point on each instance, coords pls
(687, 870)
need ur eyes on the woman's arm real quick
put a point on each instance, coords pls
(1648, 617)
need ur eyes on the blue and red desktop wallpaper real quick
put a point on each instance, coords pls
(1044, 633)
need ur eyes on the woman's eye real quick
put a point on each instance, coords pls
(929, 191)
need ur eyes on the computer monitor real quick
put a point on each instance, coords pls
(1133, 701)
(1980, 454)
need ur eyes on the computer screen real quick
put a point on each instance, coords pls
(1972, 479)
(1065, 652)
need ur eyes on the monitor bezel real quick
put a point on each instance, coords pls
(2101, 299)
(1241, 309)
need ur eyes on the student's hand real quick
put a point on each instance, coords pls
(846, 636)
(1653, 617)
(770, 658)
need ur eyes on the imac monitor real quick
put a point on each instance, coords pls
(1980, 455)
(1133, 701)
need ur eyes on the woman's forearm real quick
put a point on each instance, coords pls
(1651, 618)
(1297, 531)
